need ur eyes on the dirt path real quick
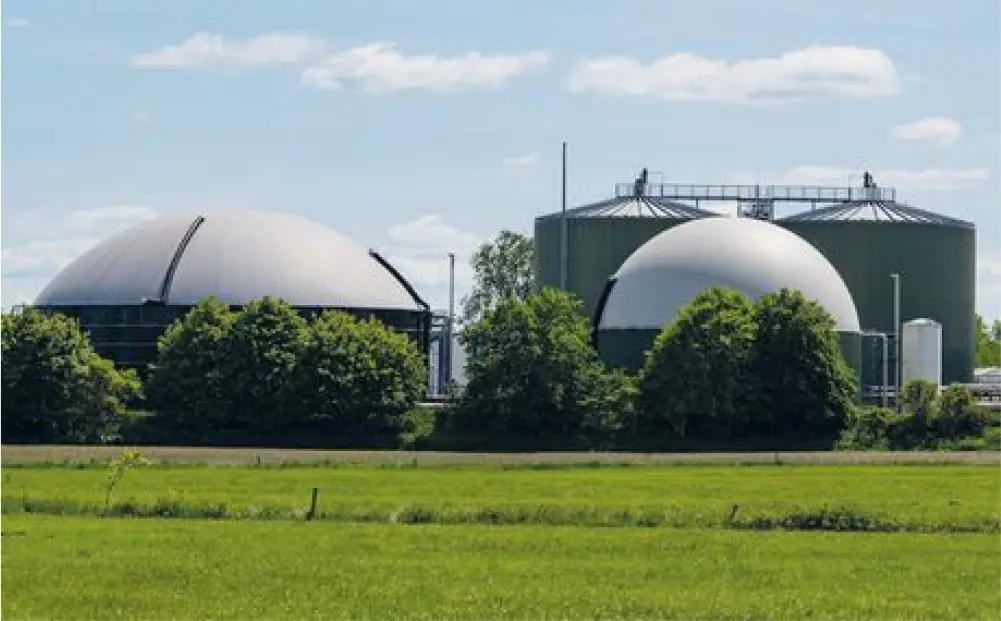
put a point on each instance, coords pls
(34, 454)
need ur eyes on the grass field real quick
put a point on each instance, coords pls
(511, 538)
(909, 497)
(113, 568)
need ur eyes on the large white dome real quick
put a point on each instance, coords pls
(752, 256)
(237, 256)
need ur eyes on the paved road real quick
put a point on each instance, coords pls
(10, 454)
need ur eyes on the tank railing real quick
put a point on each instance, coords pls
(785, 193)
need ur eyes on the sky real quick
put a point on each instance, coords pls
(420, 128)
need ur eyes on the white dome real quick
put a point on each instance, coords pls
(237, 256)
(751, 256)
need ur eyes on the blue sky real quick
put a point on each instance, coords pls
(423, 127)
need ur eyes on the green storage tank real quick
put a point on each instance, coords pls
(599, 238)
(934, 255)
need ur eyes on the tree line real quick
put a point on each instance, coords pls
(725, 373)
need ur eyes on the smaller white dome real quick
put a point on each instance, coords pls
(749, 255)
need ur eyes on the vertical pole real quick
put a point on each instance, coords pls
(312, 505)
(886, 370)
(896, 337)
(563, 221)
(451, 315)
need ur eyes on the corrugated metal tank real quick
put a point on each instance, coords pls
(935, 256)
(600, 236)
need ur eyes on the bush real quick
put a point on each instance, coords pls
(56, 387)
(258, 364)
(532, 373)
(186, 385)
(802, 386)
(357, 378)
(694, 378)
(927, 421)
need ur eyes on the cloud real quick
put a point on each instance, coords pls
(142, 117)
(45, 244)
(16, 22)
(902, 179)
(380, 68)
(938, 129)
(419, 249)
(837, 71)
(521, 161)
(206, 48)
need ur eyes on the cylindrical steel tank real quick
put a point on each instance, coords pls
(600, 236)
(921, 344)
(934, 255)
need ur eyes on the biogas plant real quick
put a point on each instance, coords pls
(902, 311)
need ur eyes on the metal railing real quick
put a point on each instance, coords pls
(784, 193)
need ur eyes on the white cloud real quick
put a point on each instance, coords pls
(841, 71)
(16, 22)
(521, 161)
(380, 67)
(206, 48)
(902, 179)
(45, 243)
(142, 117)
(419, 249)
(938, 129)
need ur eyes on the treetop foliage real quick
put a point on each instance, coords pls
(56, 388)
(502, 268)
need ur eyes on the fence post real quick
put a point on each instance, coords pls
(312, 505)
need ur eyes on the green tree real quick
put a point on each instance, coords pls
(358, 378)
(187, 386)
(694, 378)
(56, 387)
(502, 268)
(958, 415)
(532, 372)
(258, 364)
(988, 343)
(802, 384)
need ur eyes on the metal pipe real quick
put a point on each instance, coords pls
(896, 337)
(563, 221)
(451, 315)
(884, 388)
(886, 371)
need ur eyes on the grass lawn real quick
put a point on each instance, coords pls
(915, 497)
(115, 568)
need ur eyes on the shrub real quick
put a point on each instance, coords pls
(802, 385)
(56, 387)
(357, 378)
(958, 415)
(258, 364)
(694, 378)
(186, 385)
(950, 421)
(533, 373)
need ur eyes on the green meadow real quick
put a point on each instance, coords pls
(501, 541)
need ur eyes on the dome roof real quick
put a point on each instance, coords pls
(237, 256)
(752, 256)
